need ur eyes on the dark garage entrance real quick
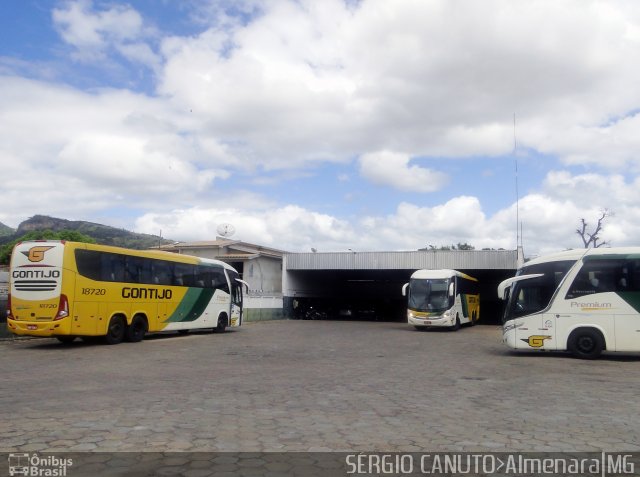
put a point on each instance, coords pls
(370, 293)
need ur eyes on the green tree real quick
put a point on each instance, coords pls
(68, 235)
(460, 246)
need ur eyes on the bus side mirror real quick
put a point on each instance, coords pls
(404, 289)
(242, 282)
(451, 289)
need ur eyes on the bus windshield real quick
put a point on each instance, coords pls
(533, 295)
(429, 294)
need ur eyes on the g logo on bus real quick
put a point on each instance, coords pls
(36, 254)
(536, 341)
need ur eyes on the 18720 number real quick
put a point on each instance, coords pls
(94, 291)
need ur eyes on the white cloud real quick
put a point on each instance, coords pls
(82, 27)
(290, 228)
(92, 32)
(393, 169)
(109, 150)
(548, 218)
(306, 82)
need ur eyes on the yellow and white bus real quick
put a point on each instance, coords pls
(583, 301)
(67, 290)
(441, 298)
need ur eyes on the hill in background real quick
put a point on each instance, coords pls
(103, 234)
(5, 230)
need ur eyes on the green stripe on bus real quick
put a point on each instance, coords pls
(612, 256)
(632, 298)
(192, 305)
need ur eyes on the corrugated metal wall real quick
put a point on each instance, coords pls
(430, 259)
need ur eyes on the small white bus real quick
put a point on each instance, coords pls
(441, 298)
(583, 301)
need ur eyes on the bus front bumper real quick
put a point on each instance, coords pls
(416, 319)
(39, 328)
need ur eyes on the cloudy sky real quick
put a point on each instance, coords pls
(333, 124)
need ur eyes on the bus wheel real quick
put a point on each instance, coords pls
(116, 330)
(456, 327)
(222, 324)
(137, 329)
(586, 343)
(66, 339)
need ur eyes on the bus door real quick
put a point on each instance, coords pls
(236, 301)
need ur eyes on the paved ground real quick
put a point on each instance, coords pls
(314, 386)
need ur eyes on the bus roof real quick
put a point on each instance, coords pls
(439, 274)
(158, 254)
(578, 253)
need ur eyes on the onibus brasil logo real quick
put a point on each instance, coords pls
(35, 465)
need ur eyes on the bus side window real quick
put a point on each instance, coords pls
(162, 272)
(89, 263)
(113, 266)
(184, 275)
(202, 278)
(597, 276)
(633, 277)
(132, 269)
(220, 280)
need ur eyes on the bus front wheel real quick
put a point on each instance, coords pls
(115, 331)
(456, 326)
(222, 324)
(586, 343)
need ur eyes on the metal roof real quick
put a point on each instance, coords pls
(430, 259)
(221, 244)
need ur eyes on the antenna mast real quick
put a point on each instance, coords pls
(515, 156)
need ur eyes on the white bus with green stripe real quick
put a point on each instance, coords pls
(68, 290)
(441, 298)
(583, 301)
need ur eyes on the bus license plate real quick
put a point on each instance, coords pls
(427, 322)
(32, 327)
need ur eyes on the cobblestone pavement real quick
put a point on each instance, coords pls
(316, 386)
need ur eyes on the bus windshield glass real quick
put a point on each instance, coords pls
(534, 295)
(429, 294)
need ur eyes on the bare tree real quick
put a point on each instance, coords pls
(592, 239)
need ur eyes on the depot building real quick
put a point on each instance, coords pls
(348, 285)
(368, 285)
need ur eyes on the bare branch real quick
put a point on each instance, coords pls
(591, 239)
(582, 232)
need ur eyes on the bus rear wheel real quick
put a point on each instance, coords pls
(116, 331)
(137, 329)
(586, 343)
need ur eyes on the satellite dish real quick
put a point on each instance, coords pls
(226, 230)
